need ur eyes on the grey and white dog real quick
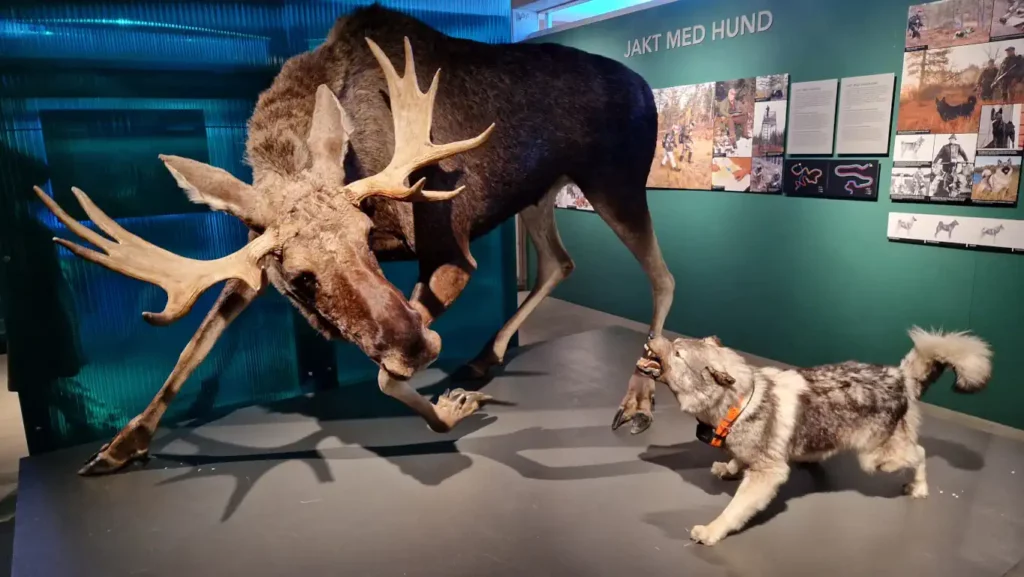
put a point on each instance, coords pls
(804, 415)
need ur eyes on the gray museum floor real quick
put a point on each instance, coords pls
(543, 487)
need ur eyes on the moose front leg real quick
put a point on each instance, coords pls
(441, 417)
(132, 443)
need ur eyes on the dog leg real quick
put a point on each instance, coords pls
(727, 471)
(918, 488)
(759, 487)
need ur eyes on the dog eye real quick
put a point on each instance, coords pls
(304, 284)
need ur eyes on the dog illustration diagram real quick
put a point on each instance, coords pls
(947, 227)
(911, 147)
(992, 231)
(859, 177)
(905, 224)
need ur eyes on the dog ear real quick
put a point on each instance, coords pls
(712, 340)
(722, 378)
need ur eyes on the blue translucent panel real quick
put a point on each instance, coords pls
(90, 94)
(198, 34)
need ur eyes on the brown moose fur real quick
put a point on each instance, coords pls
(560, 114)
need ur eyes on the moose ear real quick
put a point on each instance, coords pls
(722, 378)
(216, 188)
(712, 340)
(328, 134)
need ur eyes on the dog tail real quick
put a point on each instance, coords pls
(934, 351)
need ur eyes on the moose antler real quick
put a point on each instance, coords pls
(183, 279)
(412, 111)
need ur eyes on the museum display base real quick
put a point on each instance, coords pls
(318, 486)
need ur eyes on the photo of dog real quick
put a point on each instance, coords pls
(948, 23)
(766, 418)
(996, 179)
(993, 232)
(914, 148)
(944, 89)
(910, 183)
(905, 224)
(766, 174)
(1000, 124)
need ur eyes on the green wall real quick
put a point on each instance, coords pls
(802, 281)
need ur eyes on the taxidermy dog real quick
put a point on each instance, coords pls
(768, 418)
(949, 111)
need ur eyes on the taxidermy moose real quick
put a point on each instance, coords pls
(334, 144)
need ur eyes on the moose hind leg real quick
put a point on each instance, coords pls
(625, 211)
(553, 266)
(132, 443)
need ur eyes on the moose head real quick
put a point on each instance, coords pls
(311, 234)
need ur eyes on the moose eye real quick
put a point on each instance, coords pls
(304, 284)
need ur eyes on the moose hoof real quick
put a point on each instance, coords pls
(453, 406)
(637, 406)
(131, 445)
(480, 367)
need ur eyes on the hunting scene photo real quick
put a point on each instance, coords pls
(682, 159)
(766, 175)
(948, 23)
(945, 89)
(734, 117)
(772, 87)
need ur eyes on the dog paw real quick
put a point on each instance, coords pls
(705, 534)
(916, 490)
(721, 470)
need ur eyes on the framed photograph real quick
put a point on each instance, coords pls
(734, 118)
(766, 174)
(770, 128)
(731, 174)
(996, 180)
(682, 158)
(948, 23)
(1000, 128)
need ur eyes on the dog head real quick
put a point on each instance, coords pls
(699, 371)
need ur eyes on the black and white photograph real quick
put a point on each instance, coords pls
(1007, 19)
(914, 149)
(770, 128)
(910, 182)
(772, 87)
(999, 130)
(766, 175)
(953, 167)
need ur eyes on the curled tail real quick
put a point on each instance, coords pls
(934, 351)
